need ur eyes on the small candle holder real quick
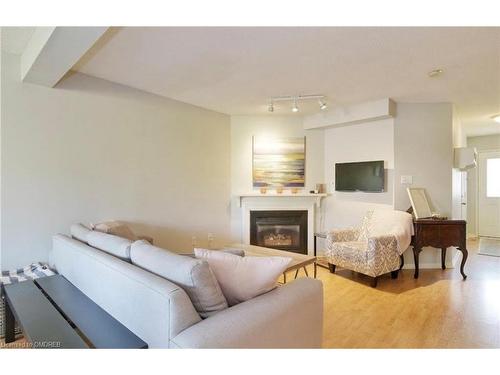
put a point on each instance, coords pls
(295, 190)
(263, 190)
(279, 190)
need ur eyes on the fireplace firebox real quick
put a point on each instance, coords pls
(282, 230)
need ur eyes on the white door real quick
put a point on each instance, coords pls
(489, 194)
(463, 196)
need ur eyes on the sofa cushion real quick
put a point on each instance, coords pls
(116, 228)
(191, 274)
(114, 245)
(79, 232)
(243, 278)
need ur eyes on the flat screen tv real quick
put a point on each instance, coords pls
(360, 176)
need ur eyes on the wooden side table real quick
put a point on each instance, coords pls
(440, 234)
(316, 236)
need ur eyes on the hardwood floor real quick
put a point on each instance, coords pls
(439, 310)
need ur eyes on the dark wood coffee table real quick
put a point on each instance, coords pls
(53, 313)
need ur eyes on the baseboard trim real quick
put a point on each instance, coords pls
(429, 266)
(456, 257)
(455, 261)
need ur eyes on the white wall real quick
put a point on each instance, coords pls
(459, 140)
(423, 148)
(362, 142)
(273, 126)
(91, 150)
(482, 143)
(417, 142)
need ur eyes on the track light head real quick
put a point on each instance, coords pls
(295, 99)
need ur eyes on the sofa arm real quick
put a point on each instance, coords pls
(290, 316)
(342, 235)
(383, 255)
(378, 244)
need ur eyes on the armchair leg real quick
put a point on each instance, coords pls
(374, 282)
(331, 267)
(394, 274)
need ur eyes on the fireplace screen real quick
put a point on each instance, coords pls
(278, 235)
(284, 230)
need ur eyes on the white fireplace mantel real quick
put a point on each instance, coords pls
(315, 197)
(285, 201)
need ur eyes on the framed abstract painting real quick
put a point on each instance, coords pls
(279, 162)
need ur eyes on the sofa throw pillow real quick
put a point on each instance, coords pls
(115, 228)
(111, 244)
(79, 232)
(191, 274)
(243, 278)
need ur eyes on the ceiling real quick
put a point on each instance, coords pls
(15, 39)
(235, 70)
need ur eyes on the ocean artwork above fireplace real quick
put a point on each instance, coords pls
(278, 162)
(279, 229)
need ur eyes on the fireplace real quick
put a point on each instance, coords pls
(283, 230)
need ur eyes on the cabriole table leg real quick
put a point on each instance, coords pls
(416, 253)
(465, 254)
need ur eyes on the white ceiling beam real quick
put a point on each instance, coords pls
(354, 114)
(53, 51)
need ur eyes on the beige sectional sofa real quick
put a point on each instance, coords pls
(161, 312)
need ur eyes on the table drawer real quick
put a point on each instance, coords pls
(450, 235)
(442, 235)
(430, 235)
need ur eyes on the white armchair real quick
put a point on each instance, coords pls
(374, 248)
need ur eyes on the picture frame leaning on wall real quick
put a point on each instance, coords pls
(419, 203)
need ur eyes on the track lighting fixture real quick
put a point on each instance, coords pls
(295, 99)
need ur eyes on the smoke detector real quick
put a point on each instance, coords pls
(435, 73)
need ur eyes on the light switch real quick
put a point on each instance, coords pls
(408, 180)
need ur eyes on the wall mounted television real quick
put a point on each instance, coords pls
(366, 176)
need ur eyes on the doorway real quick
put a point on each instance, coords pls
(488, 202)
